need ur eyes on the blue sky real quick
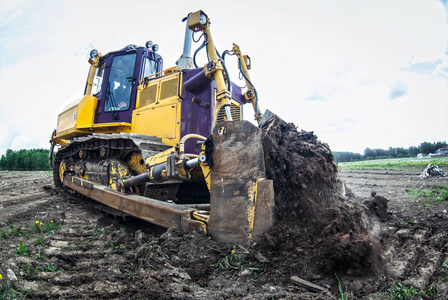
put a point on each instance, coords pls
(358, 73)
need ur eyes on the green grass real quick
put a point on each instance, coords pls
(15, 232)
(46, 267)
(7, 291)
(238, 260)
(39, 240)
(50, 227)
(22, 250)
(403, 292)
(438, 193)
(27, 270)
(394, 163)
(28, 230)
(341, 291)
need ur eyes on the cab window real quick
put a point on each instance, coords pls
(119, 86)
(98, 79)
(149, 68)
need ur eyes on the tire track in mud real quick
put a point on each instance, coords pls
(78, 259)
(24, 198)
(417, 254)
(89, 255)
(81, 260)
(92, 256)
(414, 238)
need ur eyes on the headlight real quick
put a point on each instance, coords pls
(197, 21)
(93, 53)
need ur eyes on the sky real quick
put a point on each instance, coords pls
(359, 73)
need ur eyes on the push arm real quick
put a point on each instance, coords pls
(214, 69)
(251, 94)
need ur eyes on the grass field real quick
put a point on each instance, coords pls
(394, 163)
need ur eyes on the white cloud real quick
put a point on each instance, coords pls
(442, 69)
(347, 54)
(398, 90)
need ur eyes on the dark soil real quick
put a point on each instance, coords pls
(372, 241)
(319, 232)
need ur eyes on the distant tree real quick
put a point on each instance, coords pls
(346, 156)
(413, 151)
(370, 153)
(427, 147)
(25, 160)
(397, 152)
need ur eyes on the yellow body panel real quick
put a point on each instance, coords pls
(159, 120)
(86, 111)
(97, 128)
(76, 118)
(158, 109)
(67, 120)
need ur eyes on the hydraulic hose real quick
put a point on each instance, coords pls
(196, 52)
(187, 137)
(251, 86)
(229, 87)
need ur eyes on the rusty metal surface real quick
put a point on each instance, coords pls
(264, 207)
(238, 167)
(154, 211)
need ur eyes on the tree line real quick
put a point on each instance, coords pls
(397, 152)
(25, 160)
(37, 159)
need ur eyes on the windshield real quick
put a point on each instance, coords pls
(119, 86)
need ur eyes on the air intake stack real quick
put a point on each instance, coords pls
(185, 62)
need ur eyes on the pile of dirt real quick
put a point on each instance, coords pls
(318, 231)
(303, 171)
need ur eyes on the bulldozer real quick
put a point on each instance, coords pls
(168, 146)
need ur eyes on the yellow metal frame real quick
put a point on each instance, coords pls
(213, 69)
(93, 65)
(159, 158)
(250, 94)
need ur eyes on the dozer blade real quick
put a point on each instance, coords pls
(154, 211)
(241, 198)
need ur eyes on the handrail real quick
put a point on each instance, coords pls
(147, 78)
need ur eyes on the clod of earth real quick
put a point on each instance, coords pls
(314, 221)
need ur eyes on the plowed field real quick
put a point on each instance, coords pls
(58, 247)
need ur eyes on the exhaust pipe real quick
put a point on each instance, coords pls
(185, 62)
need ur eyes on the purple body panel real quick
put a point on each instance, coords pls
(197, 115)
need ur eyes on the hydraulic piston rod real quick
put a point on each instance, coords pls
(162, 172)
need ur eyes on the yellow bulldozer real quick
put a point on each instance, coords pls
(168, 146)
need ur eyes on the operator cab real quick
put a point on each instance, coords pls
(116, 80)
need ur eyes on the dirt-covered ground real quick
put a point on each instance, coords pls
(393, 245)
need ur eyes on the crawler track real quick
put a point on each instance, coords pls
(98, 148)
